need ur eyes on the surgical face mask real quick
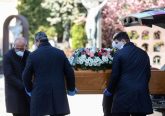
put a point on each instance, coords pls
(20, 53)
(35, 47)
(118, 45)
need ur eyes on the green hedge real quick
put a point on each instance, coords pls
(78, 36)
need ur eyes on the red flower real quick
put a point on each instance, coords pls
(99, 54)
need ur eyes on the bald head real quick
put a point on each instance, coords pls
(20, 44)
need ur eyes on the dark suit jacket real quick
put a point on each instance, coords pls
(16, 98)
(129, 81)
(50, 69)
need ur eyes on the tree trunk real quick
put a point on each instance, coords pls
(60, 38)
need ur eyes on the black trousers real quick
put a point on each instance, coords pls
(57, 115)
(107, 105)
(21, 114)
(128, 114)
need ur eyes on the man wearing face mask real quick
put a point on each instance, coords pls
(129, 81)
(51, 70)
(17, 101)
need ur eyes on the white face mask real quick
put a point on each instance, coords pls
(20, 53)
(118, 45)
(35, 47)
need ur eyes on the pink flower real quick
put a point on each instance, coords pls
(91, 55)
(87, 51)
(114, 10)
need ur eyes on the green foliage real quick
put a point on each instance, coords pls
(78, 36)
(35, 14)
(62, 11)
(48, 15)
(50, 31)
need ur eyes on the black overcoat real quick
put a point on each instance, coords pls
(129, 82)
(16, 98)
(45, 75)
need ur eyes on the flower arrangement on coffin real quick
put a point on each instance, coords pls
(92, 59)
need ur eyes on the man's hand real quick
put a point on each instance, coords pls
(72, 93)
(107, 93)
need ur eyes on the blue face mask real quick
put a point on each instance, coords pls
(20, 53)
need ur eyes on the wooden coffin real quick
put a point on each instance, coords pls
(91, 82)
(157, 82)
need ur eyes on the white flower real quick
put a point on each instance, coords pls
(101, 62)
(110, 62)
(71, 60)
(97, 59)
(98, 64)
(95, 63)
(90, 64)
(86, 64)
(105, 59)
(110, 57)
(81, 62)
(108, 49)
(91, 61)
(83, 56)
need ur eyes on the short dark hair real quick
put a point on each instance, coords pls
(122, 35)
(41, 36)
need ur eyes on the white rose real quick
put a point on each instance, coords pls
(95, 63)
(90, 64)
(86, 64)
(110, 62)
(81, 62)
(110, 57)
(83, 56)
(105, 59)
(98, 59)
(91, 61)
(98, 64)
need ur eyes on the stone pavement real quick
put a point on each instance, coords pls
(77, 104)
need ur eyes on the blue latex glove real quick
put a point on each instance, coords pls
(28, 93)
(107, 93)
(72, 93)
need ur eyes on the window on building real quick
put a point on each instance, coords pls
(145, 35)
(133, 34)
(157, 60)
(157, 46)
(145, 47)
(157, 35)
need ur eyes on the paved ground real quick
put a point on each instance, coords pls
(81, 105)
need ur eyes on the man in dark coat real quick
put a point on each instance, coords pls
(44, 76)
(129, 82)
(14, 63)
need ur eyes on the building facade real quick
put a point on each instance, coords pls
(152, 40)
